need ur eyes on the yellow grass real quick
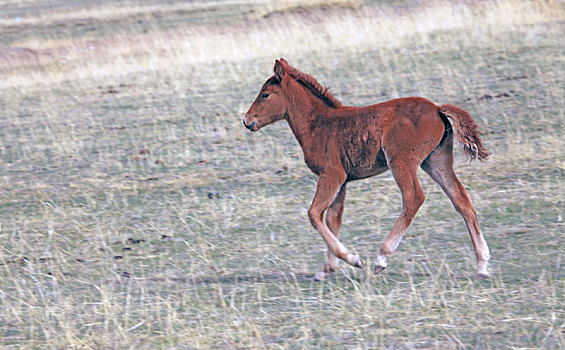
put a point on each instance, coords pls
(198, 47)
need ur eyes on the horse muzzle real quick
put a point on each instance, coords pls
(253, 126)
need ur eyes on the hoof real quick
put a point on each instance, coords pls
(483, 275)
(378, 269)
(355, 261)
(358, 262)
(321, 276)
(482, 269)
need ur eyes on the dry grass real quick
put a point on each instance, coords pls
(136, 211)
(90, 55)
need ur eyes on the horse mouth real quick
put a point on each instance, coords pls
(252, 127)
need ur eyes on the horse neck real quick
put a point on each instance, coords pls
(303, 109)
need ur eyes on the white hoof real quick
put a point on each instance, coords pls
(482, 269)
(355, 261)
(381, 262)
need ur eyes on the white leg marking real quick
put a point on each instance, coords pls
(482, 268)
(381, 261)
(333, 261)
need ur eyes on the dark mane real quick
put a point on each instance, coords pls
(308, 81)
(271, 80)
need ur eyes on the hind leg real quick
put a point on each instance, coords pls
(412, 198)
(333, 221)
(439, 165)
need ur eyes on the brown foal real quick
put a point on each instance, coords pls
(342, 143)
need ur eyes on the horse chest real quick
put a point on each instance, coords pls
(320, 156)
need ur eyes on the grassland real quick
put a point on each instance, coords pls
(137, 212)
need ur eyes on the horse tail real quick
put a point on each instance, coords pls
(467, 132)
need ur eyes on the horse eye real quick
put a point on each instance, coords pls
(265, 95)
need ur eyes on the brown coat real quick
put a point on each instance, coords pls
(342, 143)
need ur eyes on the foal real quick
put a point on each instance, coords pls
(342, 143)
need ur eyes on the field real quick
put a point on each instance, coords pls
(136, 211)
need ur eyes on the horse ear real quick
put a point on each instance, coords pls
(279, 70)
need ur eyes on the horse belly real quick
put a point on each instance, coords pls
(366, 163)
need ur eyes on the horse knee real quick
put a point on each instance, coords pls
(315, 216)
